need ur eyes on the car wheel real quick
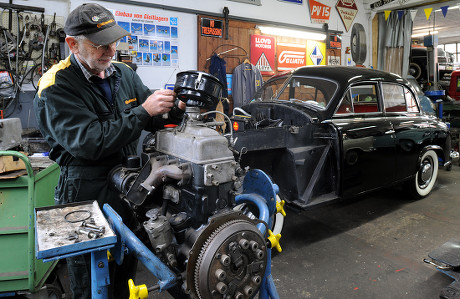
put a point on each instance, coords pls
(415, 70)
(425, 178)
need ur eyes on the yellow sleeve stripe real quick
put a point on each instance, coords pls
(114, 61)
(49, 77)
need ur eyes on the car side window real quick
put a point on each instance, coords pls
(393, 98)
(411, 102)
(364, 98)
(345, 106)
(398, 98)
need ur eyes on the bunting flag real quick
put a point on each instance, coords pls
(428, 12)
(444, 10)
(387, 14)
(413, 13)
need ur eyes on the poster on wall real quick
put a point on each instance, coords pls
(347, 10)
(290, 56)
(263, 53)
(154, 39)
(319, 12)
(316, 53)
(333, 56)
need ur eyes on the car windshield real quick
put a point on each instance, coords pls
(309, 91)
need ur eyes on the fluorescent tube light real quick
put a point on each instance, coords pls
(420, 34)
(292, 33)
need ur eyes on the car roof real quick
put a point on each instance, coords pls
(345, 75)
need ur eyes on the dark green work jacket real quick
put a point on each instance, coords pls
(81, 125)
(88, 134)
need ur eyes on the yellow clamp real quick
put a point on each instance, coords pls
(274, 240)
(280, 207)
(110, 257)
(137, 292)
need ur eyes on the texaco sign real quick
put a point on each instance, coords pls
(347, 10)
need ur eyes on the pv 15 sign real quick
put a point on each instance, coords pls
(211, 27)
(319, 12)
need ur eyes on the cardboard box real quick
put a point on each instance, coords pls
(10, 163)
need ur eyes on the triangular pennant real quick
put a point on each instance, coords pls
(400, 14)
(428, 12)
(387, 14)
(413, 13)
(444, 10)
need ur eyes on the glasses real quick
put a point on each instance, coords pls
(113, 46)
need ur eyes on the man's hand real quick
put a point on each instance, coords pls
(160, 102)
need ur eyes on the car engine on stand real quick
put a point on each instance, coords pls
(184, 195)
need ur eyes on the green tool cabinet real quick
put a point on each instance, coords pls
(19, 269)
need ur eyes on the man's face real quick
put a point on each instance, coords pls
(96, 58)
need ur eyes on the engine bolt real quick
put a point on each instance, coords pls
(259, 254)
(248, 290)
(222, 288)
(221, 274)
(254, 245)
(244, 243)
(225, 260)
(238, 295)
(256, 279)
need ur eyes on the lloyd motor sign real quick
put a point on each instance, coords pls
(263, 53)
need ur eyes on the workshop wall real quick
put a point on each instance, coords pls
(188, 54)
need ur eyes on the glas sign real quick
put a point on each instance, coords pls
(292, 1)
(211, 27)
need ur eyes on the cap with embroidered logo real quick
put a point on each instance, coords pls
(94, 22)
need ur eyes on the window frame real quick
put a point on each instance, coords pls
(360, 114)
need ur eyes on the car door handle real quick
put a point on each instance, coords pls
(389, 132)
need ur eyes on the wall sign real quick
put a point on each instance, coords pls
(347, 10)
(333, 57)
(211, 27)
(263, 53)
(254, 2)
(290, 56)
(379, 3)
(292, 1)
(316, 53)
(334, 41)
(154, 38)
(319, 12)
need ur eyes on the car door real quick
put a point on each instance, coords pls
(367, 140)
(412, 130)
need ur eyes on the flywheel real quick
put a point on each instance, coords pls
(231, 262)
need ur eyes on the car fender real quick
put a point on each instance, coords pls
(439, 151)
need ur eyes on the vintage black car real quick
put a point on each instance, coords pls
(326, 132)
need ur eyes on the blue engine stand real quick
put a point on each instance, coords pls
(257, 190)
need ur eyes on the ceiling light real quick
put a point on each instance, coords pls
(420, 34)
(292, 33)
(449, 8)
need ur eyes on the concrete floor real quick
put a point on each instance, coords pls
(370, 246)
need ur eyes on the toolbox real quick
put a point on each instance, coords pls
(19, 196)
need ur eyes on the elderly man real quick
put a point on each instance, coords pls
(91, 111)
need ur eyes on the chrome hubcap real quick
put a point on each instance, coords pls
(426, 173)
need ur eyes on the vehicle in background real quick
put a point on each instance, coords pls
(419, 62)
(327, 132)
